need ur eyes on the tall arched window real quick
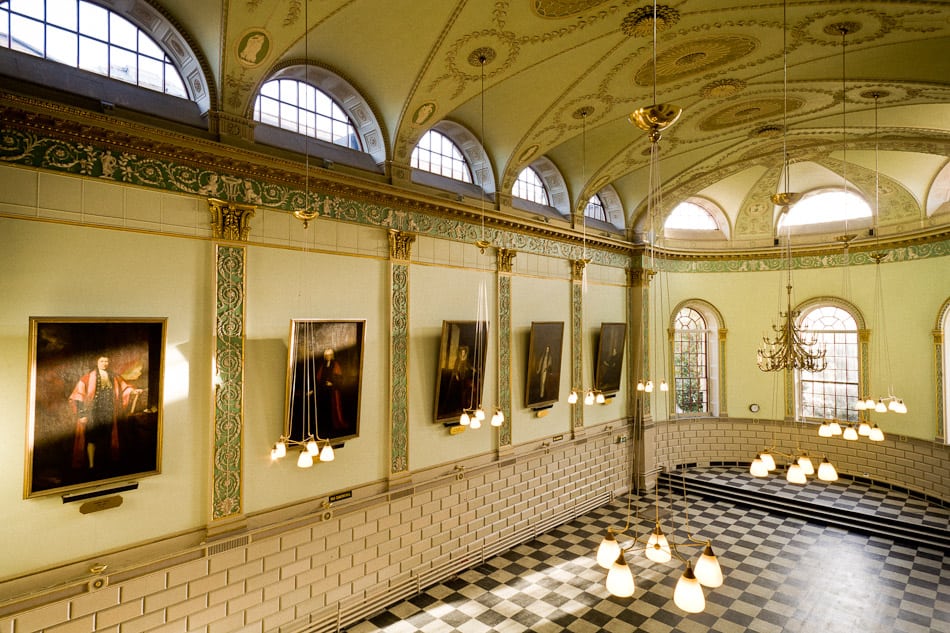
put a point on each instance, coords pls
(89, 37)
(299, 107)
(529, 186)
(833, 392)
(827, 207)
(942, 363)
(690, 216)
(690, 362)
(696, 340)
(438, 154)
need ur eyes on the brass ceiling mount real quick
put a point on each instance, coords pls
(842, 28)
(482, 56)
(639, 22)
(583, 112)
(722, 88)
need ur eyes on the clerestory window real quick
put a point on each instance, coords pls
(299, 107)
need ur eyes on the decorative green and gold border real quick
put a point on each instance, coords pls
(229, 390)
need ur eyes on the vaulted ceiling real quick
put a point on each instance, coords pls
(547, 60)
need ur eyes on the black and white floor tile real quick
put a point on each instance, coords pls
(782, 575)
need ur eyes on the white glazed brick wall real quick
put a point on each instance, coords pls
(338, 566)
(914, 464)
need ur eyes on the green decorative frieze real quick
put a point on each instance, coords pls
(577, 351)
(399, 384)
(229, 389)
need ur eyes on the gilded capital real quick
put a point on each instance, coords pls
(229, 220)
(506, 259)
(578, 266)
(641, 276)
(400, 245)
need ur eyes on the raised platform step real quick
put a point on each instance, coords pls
(873, 511)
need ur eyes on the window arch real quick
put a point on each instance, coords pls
(558, 203)
(826, 210)
(832, 392)
(595, 209)
(696, 339)
(130, 42)
(529, 186)
(300, 107)
(696, 218)
(438, 154)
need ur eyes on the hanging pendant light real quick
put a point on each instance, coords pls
(826, 471)
(688, 594)
(620, 578)
(795, 474)
(806, 464)
(708, 570)
(658, 547)
(608, 551)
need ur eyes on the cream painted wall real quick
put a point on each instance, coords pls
(750, 304)
(284, 285)
(47, 272)
(437, 294)
(534, 299)
(603, 303)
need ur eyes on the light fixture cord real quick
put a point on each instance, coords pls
(844, 125)
(788, 186)
(482, 60)
(654, 51)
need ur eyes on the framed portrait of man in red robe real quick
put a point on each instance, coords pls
(95, 394)
(324, 369)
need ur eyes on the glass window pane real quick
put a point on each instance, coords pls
(93, 21)
(63, 46)
(151, 73)
(64, 13)
(147, 47)
(174, 86)
(31, 8)
(93, 56)
(122, 32)
(27, 35)
(123, 64)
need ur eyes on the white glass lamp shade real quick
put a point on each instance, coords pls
(312, 447)
(498, 418)
(768, 460)
(835, 427)
(850, 433)
(589, 397)
(600, 398)
(641, 386)
(880, 407)
(475, 423)
(305, 459)
(877, 435)
(708, 571)
(869, 404)
(273, 454)
(901, 407)
(572, 397)
(664, 386)
(608, 551)
(649, 387)
(807, 466)
(860, 405)
(795, 475)
(892, 405)
(825, 429)
(326, 453)
(688, 594)
(480, 414)
(465, 419)
(658, 548)
(280, 449)
(620, 578)
(758, 469)
(826, 471)
(864, 429)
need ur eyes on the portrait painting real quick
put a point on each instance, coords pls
(461, 369)
(95, 402)
(543, 377)
(610, 357)
(324, 371)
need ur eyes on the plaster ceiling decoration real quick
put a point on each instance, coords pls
(411, 62)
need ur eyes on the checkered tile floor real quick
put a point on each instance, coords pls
(782, 575)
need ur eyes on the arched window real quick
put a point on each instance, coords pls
(690, 362)
(438, 154)
(942, 358)
(690, 216)
(89, 37)
(529, 186)
(826, 206)
(696, 339)
(595, 209)
(833, 392)
(299, 107)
